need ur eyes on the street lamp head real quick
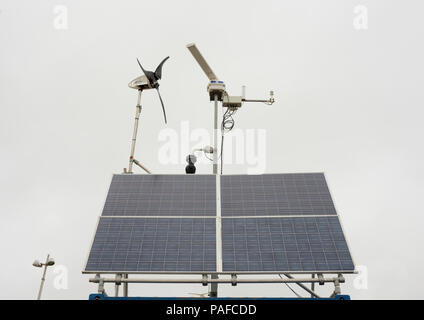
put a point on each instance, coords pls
(37, 264)
(50, 262)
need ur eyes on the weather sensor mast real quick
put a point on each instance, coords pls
(217, 92)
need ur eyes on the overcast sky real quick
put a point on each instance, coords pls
(349, 102)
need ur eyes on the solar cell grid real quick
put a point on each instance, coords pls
(154, 245)
(275, 194)
(300, 244)
(161, 195)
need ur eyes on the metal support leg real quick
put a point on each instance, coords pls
(337, 289)
(117, 284)
(313, 294)
(313, 285)
(125, 286)
(213, 287)
(101, 288)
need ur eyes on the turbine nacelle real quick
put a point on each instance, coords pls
(140, 83)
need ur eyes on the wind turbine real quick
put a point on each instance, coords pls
(148, 80)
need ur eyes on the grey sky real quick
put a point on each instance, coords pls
(349, 103)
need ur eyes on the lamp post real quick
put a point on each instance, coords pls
(36, 263)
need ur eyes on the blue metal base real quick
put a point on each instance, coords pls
(96, 296)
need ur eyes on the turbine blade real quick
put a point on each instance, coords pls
(158, 71)
(144, 71)
(149, 74)
(163, 107)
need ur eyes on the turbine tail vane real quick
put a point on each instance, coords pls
(202, 62)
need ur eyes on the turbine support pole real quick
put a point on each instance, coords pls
(213, 287)
(215, 135)
(134, 138)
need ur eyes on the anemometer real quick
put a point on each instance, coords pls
(217, 93)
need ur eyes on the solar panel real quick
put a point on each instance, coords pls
(285, 245)
(154, 245)
(276, 194)
(273, 223)
(161, 195)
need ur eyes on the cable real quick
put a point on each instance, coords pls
(207, 157)
(226, 126)
(222, 147)
(292, 290)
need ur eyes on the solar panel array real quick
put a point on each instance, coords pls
(274, 223)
